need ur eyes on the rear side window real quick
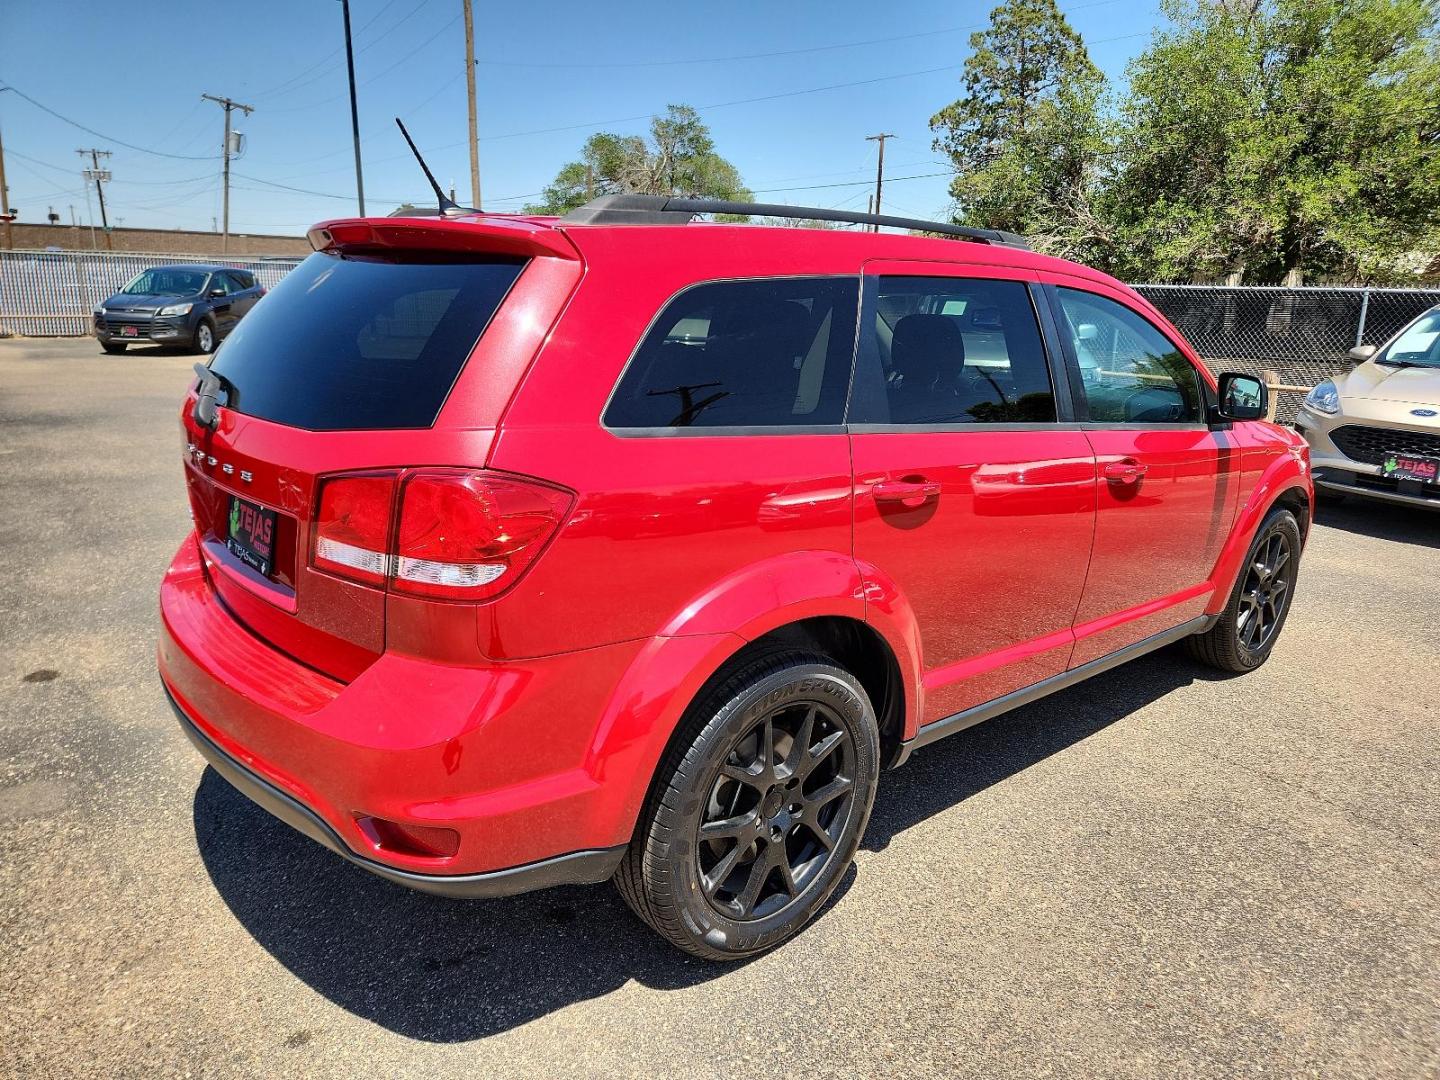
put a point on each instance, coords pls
(767, 353)
(348, 343)
(957, 350)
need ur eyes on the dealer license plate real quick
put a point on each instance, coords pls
(250, 535)
(1412, 467)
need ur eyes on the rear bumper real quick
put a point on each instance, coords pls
(576, 867)
(500, 754)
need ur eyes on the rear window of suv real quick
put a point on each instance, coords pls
(355, 343)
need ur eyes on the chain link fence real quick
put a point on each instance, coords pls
(52, 293)
(1300, 334)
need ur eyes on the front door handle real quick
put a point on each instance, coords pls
(908, 492)
(1127, 471)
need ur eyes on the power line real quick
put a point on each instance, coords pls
(296, 81)
(101, 135)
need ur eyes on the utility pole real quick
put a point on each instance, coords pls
(354, 109)
(229, 107)
(5, 199)
(470, 91)
(5, 191)
(879, 171)
(101, 177)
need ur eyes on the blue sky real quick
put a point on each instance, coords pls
(549, 75)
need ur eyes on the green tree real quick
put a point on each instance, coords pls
(1280, 139)
(1028, 138)
(678, 159)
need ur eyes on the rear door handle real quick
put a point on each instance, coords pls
(909, 492)
(1128, 471)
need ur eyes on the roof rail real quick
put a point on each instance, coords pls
(672, 210)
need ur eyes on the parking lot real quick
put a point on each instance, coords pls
(1160, 872)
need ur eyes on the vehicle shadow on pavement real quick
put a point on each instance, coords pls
(424, 966)
(452, 970)
(1384, 521)
(942, 775)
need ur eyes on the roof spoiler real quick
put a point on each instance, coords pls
(671, 210)
(474, 235)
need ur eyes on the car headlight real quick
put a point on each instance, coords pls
(1324, 399)
(176, 309)
(99, 311)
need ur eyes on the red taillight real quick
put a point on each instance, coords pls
(352, 527)
(470, 535)
(462, 535)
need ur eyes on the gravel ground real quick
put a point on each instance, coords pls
(1157, 873)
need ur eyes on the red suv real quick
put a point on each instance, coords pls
(532, 551)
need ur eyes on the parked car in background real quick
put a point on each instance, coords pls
(1375, 431)
(535, 551)
(194, 305)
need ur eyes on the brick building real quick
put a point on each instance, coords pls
(29, 236)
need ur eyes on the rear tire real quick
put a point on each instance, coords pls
(777, 765)
(1248, 628)
(114, 348)
(205, 337)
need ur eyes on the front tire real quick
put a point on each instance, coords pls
(205, 337)
(758, 808)
(1248, 628)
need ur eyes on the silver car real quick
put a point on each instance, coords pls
(1375, 431)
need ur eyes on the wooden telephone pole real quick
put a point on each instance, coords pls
(229, 107)
(100, 177)
(879, 171)
(470, 91)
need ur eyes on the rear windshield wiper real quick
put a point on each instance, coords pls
(211, 383)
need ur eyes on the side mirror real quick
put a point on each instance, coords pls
(1087, 331)
(1361, 353)
(215, 294)
(1243, 397)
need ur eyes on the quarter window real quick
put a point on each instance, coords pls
(743, 354)
(957, 351)
(1132, 373)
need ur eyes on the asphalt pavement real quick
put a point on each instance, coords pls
(1158, 873)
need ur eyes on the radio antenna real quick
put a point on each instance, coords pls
(448, 207)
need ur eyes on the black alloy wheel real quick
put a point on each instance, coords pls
(757, 806)
(1245, 632)
(776, 811)
(1266, 592)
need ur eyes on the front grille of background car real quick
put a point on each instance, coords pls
(1373, 445)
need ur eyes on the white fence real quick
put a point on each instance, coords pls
(52, 293)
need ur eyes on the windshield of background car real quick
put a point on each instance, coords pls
(166, 282)
(345, 342)
(1418, 343)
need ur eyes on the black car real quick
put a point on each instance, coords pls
(190, 304)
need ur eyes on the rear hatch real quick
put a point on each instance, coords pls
(397, 344)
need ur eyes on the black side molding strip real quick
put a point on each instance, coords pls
(1026, 694)
(577, 867)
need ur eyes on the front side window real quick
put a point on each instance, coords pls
(958, 351)
(1132, 373)
(769, 353)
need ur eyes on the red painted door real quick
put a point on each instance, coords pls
(1167, 481)
(974, 501)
